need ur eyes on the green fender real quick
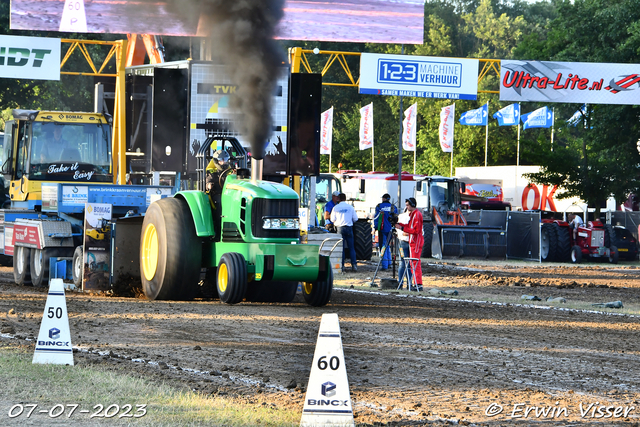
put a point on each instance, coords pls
(200, 207)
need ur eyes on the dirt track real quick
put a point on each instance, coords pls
(412, 360)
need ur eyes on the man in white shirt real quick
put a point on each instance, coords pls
(575, 221)
(343, 215)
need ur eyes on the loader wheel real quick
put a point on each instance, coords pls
(78, 267)
(576, 255)
(232, 278)
(170, 251)
(563, 248)
(363, 237)
(283, 292)
(21, 267)
(548, 242)
(427, 233)
(40, 264)
(613, 255)
(318, 294)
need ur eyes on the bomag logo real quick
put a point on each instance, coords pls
(73, 116)
(22, 57)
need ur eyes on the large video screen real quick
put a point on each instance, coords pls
(373, 21)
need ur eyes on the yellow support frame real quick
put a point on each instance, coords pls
(116, 54)
(300, 63)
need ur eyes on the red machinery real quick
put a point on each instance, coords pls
(591, 241)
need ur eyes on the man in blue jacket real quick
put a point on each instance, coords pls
(381, 220)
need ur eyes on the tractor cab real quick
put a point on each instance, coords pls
(41, 146)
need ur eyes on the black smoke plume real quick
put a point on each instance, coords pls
(241, 34)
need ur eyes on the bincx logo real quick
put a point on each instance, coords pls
(328, 389)
(54, 333)
(20, 56)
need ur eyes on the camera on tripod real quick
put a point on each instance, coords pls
(393, 218)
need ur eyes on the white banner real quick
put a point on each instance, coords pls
(579, 82)
(29, 58)
(419, 76)
(447, 121)
(409, 128)
(366, 127)
(326, 131)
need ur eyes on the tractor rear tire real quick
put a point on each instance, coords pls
(613, 255)
(548, 242)
(609, 235)
(283, 292)
(232, 278)
(563, 248)
(427, 233)
(576, 254)
(363, 238)
(318, 294)
(21, 265)
(170, 251)
(40, 264)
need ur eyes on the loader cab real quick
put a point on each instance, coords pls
(439, 192)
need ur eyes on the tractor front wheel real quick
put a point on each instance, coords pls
(576, 254)
(318, 294)
(232, 278)
(363, 238)
(613, 255)
(21, 261)
(170, 251)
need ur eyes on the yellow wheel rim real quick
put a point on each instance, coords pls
(308, 287)
(150, 250)
(223, 277)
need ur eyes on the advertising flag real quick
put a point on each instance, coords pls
(409, 128)
(508, 116)
(447, 121)
(326, 131)
(366, 127)
(579, 116)
(477, 117)
(540, 118)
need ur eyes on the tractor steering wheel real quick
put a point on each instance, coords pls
(223, 175)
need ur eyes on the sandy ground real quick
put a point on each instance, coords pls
(411, 359)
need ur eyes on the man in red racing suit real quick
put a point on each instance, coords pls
(416, 240)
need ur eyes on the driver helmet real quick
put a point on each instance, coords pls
(221, 159)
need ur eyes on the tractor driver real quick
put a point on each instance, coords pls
(575, 221)
(217, 170)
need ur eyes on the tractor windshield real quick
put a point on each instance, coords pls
(70, 152)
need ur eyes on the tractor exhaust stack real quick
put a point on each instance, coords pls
(256, 170)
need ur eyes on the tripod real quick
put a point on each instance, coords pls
(391, 245)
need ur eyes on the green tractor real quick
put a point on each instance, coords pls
(242, 230)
